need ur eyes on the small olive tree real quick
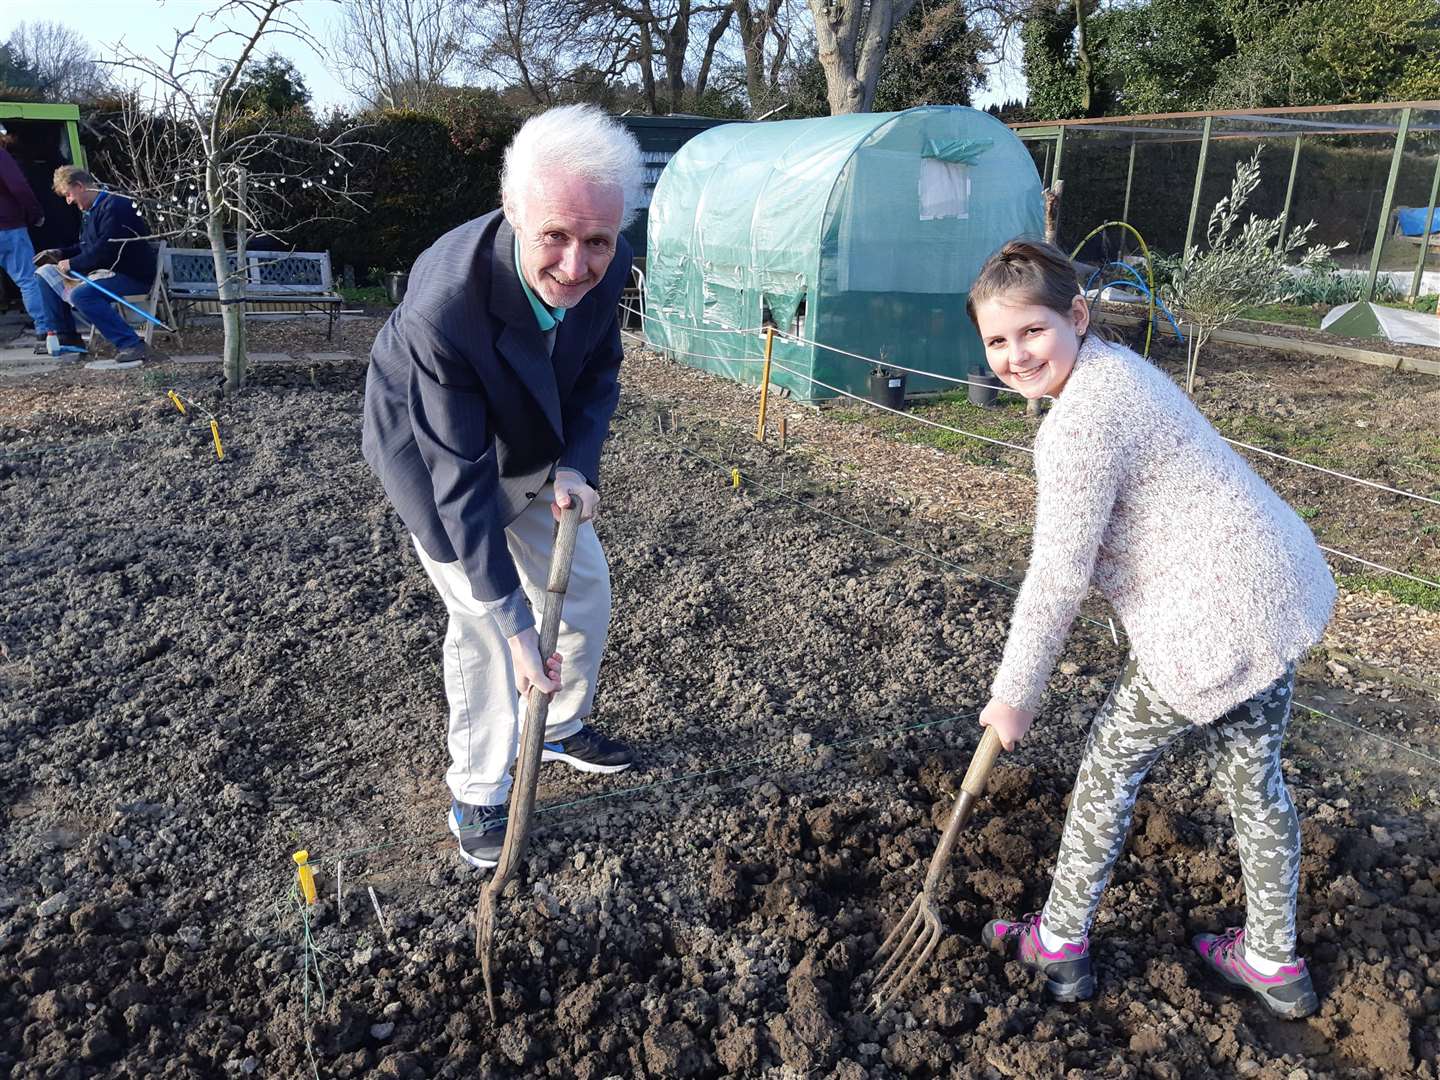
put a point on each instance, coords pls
(1241, 266)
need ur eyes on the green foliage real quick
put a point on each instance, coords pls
(431, 172)
(1242, 265)
(273, 86)
(1402, 589)
(18, 81)
(1047, 39)
(933, 59)
(1159, 56)
(1175, 55)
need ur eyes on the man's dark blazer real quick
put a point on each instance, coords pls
(109, 240)
(465, 415)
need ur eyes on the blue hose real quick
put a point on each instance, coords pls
(1138, 283)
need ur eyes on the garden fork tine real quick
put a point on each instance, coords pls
(532, 739)
(919, 930)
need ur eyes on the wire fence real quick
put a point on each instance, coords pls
(771, 491)
(890, 364)
(926, 421)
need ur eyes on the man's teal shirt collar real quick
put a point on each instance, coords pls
(547, 317)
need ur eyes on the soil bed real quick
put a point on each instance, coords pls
(206, 665)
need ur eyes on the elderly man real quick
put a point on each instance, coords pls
(112, 241)
(489, 392)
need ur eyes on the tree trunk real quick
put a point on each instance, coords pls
(231, 286)
(755, 27)
(1082, 61)
(851, 59)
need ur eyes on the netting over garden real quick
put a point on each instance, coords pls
(862, 232)
(1366, 174)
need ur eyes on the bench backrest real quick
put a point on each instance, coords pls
(267, 273)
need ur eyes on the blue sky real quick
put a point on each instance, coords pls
(149, 26)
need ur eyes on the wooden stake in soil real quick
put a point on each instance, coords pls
(532, 740)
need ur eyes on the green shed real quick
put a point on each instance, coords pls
(861, 232)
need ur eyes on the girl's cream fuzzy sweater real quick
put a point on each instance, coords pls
(1218, 582)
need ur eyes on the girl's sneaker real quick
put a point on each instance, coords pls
(1067, 972)
(1289, 993)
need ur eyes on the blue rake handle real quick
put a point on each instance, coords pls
(118, 299)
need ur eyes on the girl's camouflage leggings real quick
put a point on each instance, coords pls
(1243, 746)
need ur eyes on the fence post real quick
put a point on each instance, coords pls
(765, 384)
(1129, 179)
(1384, 226)
(1199, 179)
(1289, 195)
(1425, 234)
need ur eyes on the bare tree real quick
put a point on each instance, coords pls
(199, 163)
(396, 53)
(853, 36)
(61, 59)
(515, 41)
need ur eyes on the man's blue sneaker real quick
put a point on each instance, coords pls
(480, 830)
(589, 751)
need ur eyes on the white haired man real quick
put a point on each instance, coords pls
(489, 393)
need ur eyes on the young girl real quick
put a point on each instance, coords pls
(1220, 587)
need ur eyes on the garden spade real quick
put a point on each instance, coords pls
(917, 933)
(532, 738)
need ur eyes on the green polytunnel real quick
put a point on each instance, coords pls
(861, 232)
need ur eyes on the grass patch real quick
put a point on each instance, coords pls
(1006, 421)
(1320, 446)
(1290, 314)
(373, 295)
(1402, 589)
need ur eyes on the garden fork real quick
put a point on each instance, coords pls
(532, 739)
(917, 933)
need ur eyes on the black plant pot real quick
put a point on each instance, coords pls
(888, 389)
(983, 389)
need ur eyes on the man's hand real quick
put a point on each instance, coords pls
(569, 484)
(525, 658)
(1009, 723)
(48, 257)
(64, 265)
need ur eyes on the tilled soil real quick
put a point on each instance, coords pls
(206, 665)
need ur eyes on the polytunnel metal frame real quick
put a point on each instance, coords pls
(1151, 126)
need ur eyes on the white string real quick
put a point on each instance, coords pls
(1366, 731)
(1377, 566)
(1010, 588)
(904, 415)
(797, 339)
(1332, 472)
(1025, 449)
(898, 367)
(698, 356)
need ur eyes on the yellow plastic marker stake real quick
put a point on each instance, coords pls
(175, 399)
(735, 478)
(215, 431)
(307, 876)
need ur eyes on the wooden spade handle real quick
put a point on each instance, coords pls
(971, 788)
(980, 765)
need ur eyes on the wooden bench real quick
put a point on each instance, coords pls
(276, 282)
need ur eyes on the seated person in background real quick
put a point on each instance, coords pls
(112, 240)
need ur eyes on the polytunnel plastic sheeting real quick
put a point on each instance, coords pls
(862, 232)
